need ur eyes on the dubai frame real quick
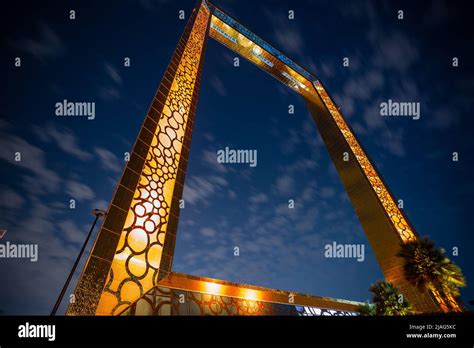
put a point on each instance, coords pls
(129, 270)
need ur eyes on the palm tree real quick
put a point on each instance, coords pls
(388, 300)
(367, 309)
(427, 267)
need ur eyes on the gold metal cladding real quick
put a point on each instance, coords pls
(141, 261)
(228, 298)
(251, 51)
(398, 221)
(249, 292)
(136, 264)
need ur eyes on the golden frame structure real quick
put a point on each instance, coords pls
(133, 251)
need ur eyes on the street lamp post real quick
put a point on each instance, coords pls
(98, 213)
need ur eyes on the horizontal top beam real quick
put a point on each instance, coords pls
(266, 46)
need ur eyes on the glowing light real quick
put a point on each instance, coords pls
(250, 294)
(257, 49)
(143, 235)
(212, 288)
(398, 221)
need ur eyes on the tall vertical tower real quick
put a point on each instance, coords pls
(135, 245)
(134, 249)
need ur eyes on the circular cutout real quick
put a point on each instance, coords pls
(149, 226)
(130, 291)
(139, 210)
(137, 240)
(165, 140)
(154, 256)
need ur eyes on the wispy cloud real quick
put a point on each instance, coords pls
(109, 93)
(210, 158)
(285, 184)
(71, 232)
(207, 232)
(47, 45)
(113, 73)
(100, 204)
(395, 51)
(287, 34)
(32, 160)
(108, 160)
(64, 138)
(109, 88)
(10, 199)
(200, 188)
(258, 198)
(79, 191)
(43, 224)
(444, 117)
(218, 85)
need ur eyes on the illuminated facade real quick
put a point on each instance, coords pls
(129, 269)
(182, 294)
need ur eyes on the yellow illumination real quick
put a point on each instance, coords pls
(135, 266)
(255, 53)
(250, 294)
(398, 221)
(257, 49)
(212, 288)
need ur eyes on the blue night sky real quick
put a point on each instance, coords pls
(234, 205)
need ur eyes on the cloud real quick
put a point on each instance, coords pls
(109, 93)
(100, 204)
(218, 85)
(108, 160)
(308, 222)
(395, 51)
(113, 73)
(47, 46)
(110, 90)
(290, 38)
(309, 192)
(326, 192)
(207, 232)
(393, 141)
(259, 198)
(346, 104)
(38, 283)
(287, 35)
(79, 191)
(372, 117)
(363, 87)
(197, 189)
(295, 138)
(64, 138)
(32, 160)
(326, 70)
(300, 165)
(71, 232)
(444, 117)
(210, 157)
(10, 199)
(285, 184)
